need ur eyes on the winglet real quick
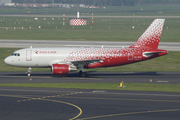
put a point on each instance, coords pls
(151, 37)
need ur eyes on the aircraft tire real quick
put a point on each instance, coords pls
(29, 74)
(82, 74)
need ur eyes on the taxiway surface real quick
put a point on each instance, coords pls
(170, 46)
(92, 77)
(71, 104)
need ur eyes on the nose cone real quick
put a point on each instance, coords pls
(7, 60)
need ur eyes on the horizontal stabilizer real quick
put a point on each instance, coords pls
(149, 54)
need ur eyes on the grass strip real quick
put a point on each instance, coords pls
(100, 86)
(103, 29)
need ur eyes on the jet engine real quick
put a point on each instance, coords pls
(61, 69)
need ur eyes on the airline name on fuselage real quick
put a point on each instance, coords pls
(45, 52)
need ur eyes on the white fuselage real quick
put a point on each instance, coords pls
(38, 57)
(46, 57)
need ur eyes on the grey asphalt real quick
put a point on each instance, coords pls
(92, 77)
(70, 104)
(170, 46)
(53, 104)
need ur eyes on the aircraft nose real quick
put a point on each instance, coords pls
(7, 60)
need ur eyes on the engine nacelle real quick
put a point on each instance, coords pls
(61, 69)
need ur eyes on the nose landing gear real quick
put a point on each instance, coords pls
(29, 72)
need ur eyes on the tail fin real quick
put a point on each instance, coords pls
(150, 38)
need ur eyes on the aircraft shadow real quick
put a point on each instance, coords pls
(89, 74)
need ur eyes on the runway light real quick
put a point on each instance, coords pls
(150, 80)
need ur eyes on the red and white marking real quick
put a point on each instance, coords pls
(78, 21)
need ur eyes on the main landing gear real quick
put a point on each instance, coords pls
(82, 74)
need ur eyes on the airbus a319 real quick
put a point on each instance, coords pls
(64, 60)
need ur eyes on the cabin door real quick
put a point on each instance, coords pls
(28, 55)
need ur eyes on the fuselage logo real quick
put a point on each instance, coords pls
(36, 52)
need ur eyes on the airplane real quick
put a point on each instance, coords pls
(63, 60)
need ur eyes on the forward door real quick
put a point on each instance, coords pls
(28, 55)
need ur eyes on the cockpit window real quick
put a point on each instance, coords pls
(15, 54)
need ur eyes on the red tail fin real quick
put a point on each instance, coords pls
(150, 38)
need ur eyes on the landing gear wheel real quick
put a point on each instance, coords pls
(29, 72)
(82, 74)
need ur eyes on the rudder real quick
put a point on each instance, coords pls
(151, 37)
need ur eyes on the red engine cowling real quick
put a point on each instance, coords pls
(60, 69)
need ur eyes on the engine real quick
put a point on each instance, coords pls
(61, 69)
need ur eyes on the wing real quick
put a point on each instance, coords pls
(76, 63)
(81, 64)
(85, 62)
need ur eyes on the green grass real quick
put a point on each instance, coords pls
(110, 10)
(169, 62)
(120, 29)
(99, 86)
